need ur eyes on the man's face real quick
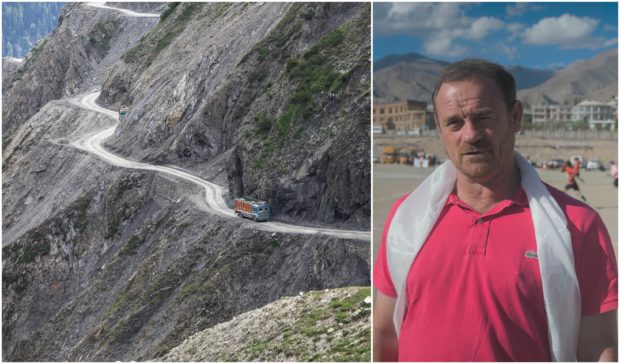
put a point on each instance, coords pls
(477, 130)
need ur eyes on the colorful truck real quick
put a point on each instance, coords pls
(122, 113)
(252, 209)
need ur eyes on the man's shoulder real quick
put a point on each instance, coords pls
(576, 211)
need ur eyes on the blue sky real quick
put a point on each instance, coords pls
(534, 35)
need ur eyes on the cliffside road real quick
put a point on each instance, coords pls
(213, 193)
(124, 11)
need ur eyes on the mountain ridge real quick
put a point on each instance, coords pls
(412, 76)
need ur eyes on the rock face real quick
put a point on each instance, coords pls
(65, 62)
(288, 100)
(306, 327)
(9, 71)
(102, 263)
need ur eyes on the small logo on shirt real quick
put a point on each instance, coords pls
(531, 254)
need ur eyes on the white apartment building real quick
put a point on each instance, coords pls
(592, 110)
(555, 113)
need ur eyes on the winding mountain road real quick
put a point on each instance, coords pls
(125, 12)
(214, 194)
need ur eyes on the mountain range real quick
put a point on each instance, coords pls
(413, 76)
(106, 261)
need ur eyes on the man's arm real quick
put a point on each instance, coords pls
(385, 341)
(598, 338)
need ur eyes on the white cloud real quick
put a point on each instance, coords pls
(439, 24)
(418, 18)
(519, 9)
(515, 30)
(441, 43)
(567, 31)
(481, 27)
(510, 52)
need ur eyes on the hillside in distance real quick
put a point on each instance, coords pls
(413, 77)
(23, 24)
(592, 79)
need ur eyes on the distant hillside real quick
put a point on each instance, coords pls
(23, 24)
(413, 76)
(595, 79)
(403, 77)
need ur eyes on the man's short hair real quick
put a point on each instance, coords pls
(473, 69)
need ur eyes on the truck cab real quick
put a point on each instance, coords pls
(122, 113)
(252, 209)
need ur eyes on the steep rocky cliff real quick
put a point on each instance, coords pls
(9, 70)
(281, 89)
(71, 60)
(102, 263)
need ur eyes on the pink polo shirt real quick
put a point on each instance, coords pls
(474, 291)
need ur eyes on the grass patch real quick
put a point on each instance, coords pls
(315, 75)
(20, 281)
(131, 248)
(81, 207)
(189, 289)
(28, 253)
(158, 39)
(169, 10)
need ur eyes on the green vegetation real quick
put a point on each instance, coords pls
(131, 248)
(317, 327)
(264, 124)
(101, 35)
(163, 34)
(32, 251)
(189, 289)
(314, 74)
(81, 206)
(20, 280)
(169, 10)
(24, 252)
(285, 31)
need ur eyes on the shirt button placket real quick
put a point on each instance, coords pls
(478, 237)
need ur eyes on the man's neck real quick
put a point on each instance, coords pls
(482, 196)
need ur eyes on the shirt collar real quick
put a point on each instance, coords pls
(519, 198)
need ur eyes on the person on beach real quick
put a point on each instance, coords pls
(613, 171)
(577, 165)
(484, 261)
(571, 173)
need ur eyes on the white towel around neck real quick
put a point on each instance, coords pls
(418, 213)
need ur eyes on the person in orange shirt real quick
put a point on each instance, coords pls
(571, 173)
(578, 169)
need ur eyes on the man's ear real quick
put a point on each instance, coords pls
(516, 116)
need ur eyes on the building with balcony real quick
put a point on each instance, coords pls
(400, 116)
(551, 113)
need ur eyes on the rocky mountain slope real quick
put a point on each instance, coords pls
(102, 263)
(413, 76)
(593, 79)
(286, 103)
(9, 70)
(71, 60)
(306, 327)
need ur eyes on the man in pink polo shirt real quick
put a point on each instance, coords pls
(474, 290)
